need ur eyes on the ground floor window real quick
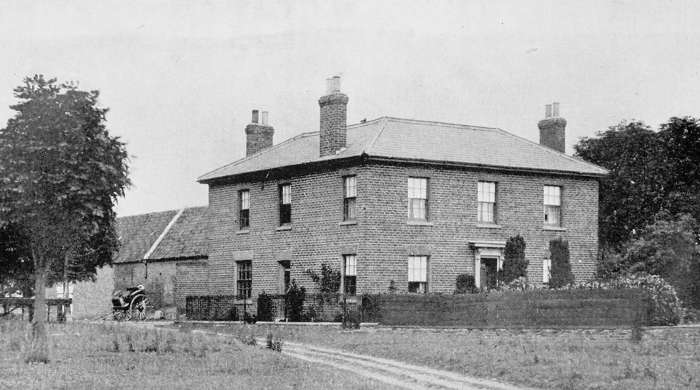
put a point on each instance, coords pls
(245, 279)
(546, 270)
(350, 274)
(418, 274)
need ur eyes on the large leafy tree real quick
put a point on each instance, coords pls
(632, 193)
(61, 173)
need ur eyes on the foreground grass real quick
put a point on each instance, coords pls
(86, 356)
(567, 359)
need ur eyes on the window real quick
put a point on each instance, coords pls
(486, 197)
(418, 198)
(244, 209)
(286, 273)
(349, 196)
(285, 204)
(552, 206)
(350, 274)
(418, 274)
(546, 270)
(245, 279)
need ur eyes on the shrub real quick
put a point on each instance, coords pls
(264, 307)
(514, 262)
(561, 268)
(465, 284)
(295, 301)
(665, 307)
(328, 281)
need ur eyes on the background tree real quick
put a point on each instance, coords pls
(514, 262)
(15, 263)
(61, 174)
(631, 194)
(561, 267)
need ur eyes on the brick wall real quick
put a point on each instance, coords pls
(381, 238)
(190, 280)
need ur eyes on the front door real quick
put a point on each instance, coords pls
(489, 272)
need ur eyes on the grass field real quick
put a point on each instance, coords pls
(86, 356)
(568, 359)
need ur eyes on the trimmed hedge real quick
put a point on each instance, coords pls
(534, 308)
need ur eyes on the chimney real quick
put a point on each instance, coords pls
(258, 136)
(553, 128)
(334, 130)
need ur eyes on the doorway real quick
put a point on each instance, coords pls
(489, 272)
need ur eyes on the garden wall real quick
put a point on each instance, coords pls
(538, 308)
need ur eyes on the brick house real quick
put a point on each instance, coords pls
(395, 201)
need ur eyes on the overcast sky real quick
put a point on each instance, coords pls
(181, 77)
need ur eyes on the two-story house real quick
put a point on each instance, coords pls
(395, 201)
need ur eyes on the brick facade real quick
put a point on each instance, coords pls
(381, 237)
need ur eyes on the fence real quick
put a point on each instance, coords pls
(62, 305)
(217, 307)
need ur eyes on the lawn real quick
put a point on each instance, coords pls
(87, 356)
(567, 359)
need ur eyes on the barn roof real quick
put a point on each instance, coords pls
(173, 234)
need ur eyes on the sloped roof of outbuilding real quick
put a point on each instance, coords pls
(171, 234)
(421, 141)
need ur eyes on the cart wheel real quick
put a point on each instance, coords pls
(138, 309)
(118, 315)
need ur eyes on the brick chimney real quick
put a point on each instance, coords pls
(333, 134)
(553, 128)
(258, 135)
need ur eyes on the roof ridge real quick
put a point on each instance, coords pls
(550, 150)
(450, 124)
(376, 137)
(263, 151)
(163, 234)
(163, 212)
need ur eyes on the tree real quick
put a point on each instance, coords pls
(561, 267)
(514, 262)
(631, 194)
(328, 281)
(668, 248)
(61, 174)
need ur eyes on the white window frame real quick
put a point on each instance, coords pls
(546, 270)
(418, 273)
(486, 202)
(349, 270)
(349, 198)
(552, 205)
(418, 195)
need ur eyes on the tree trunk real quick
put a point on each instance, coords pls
(39, 348)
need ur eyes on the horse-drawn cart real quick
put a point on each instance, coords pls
(130, 304)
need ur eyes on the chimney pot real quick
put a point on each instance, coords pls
(255, 117)
(548, 111)
(333, 85)
(263, 118)
(555, 109)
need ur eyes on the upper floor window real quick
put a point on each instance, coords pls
(418, 198)
(243, 209)
(418, 274)
(552, 205)
(349, 196)
(285, 204)
(486, 197)
(350, 274)
(244, 282)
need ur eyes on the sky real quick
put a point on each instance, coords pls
(180, 78)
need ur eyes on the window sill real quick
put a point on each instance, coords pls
(554, 228)
(246, 231)
(350, 299)
(248, 301)
(283, 228)
(347, 223)
(419, 223)
(488, 226)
